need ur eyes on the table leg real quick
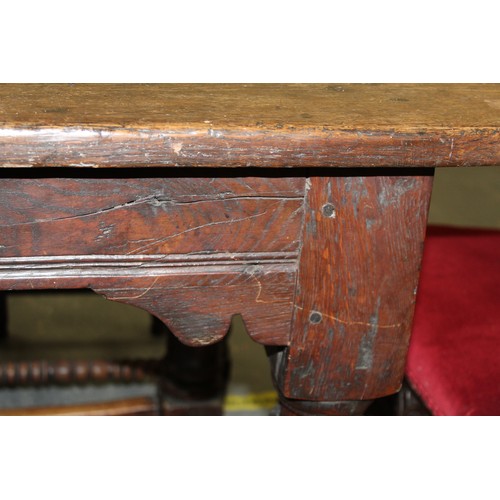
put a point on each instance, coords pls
(194, 378)
(296, 407)
(357, 280)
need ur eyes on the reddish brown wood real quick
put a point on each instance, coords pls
(41, 373)
(251, 148)
(175, 219)
(358, 275)
(297, 408)
(272, 125)
(194, 247)
(191, 251)
(124, 407)
(197, 307)
(171, 407)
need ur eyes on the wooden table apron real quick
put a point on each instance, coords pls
(321, 260)
(325, 265)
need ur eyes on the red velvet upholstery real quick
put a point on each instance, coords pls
(454, 356)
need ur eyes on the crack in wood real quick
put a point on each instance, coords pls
(78, 216)
(175, 235)
(361, 323)
(155, 200)
(144, 292)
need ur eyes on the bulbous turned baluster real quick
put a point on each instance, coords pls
(66, 372)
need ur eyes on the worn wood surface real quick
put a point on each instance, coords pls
(298, 408)
(125, 407)
(177, 220)
(262, 125)
(357, 282)
(322, 263)
(196, 304)
(191, 251)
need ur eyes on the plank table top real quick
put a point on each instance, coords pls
(300, 207)
(258, 125)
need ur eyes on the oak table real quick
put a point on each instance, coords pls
(301, 208)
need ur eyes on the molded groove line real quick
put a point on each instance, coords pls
(145, 265)
(160, 260)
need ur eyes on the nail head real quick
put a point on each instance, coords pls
(328, 210)
(315, 317)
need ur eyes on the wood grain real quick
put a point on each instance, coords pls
(124, 407)
(196, 303)
(261, 125)
(143, 216)
(192, 251)
(358, 275)
(320, 259)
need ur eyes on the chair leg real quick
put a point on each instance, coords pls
(409, 404)
(191, 380)
(194, 378)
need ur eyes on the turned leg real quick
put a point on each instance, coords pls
(357, 280)
(295, 407)
(303, 407)
(194, 378)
